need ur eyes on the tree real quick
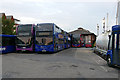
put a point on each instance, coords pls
(7, 26)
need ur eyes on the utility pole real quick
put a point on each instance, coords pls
(97, 30)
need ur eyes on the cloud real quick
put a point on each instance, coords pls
(68, 15)
(29, 20)
(68, 0)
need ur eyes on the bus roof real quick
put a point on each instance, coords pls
(4, 35)
(116, 28)
(26, 24)
(45, 23)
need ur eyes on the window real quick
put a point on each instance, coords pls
(119, 41)
(24, 40)
(6, 41)
(44, 27)
(57, 29)
(24, 27)
(115, 41)
(44, 40)
(0, 41)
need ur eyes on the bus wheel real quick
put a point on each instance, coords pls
(109, 61)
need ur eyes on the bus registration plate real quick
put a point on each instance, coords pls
(43, 50)
(23, 50)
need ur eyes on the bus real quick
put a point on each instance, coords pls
(76, 40)
(7, 43)
(48, 38)
(75, 43)
(113, 52)
(67, 40)
(25, 37)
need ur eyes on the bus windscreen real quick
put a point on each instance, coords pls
(45, 27)
(44, 40)
(24, 27)
(24, 41)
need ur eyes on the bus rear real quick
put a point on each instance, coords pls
(44, 38)
(25, 37)
(7, 43)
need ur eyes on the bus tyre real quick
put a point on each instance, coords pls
(109, 61)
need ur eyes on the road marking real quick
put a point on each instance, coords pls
(100, 58)
(101, 66)
(104, 68)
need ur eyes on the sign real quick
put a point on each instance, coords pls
(2, 49)
(25, 34)
(45, 33)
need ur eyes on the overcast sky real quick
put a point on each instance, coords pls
(67, 14)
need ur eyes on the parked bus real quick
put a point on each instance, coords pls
(108, 45)
(49, 38)
(7, 43)
(75, 41)
(67, 40)
(25, 37)
(113, 53)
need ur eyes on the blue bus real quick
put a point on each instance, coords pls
(48, 38)
(67, 40)
(7, 43)
(25, 34)
(113, 53)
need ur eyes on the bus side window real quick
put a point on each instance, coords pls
(111, 43)
(115, 41)
(0, 41)
(4, 42)
(11, 41)
(119, 41)
(8, 41)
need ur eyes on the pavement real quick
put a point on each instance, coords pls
(69, 63)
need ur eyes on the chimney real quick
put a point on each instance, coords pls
(104, 25)
(97, 30)
(80, 28)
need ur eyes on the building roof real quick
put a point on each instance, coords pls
(11, 17)
(2, 14)
(81, 31)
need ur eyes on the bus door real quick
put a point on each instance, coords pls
(116, 48)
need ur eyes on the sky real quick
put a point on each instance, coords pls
(67, 14)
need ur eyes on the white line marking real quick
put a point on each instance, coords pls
(100, 58)
(101, 66)
(104, 68)
(97, 62)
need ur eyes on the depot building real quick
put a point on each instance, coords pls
(84, 36)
